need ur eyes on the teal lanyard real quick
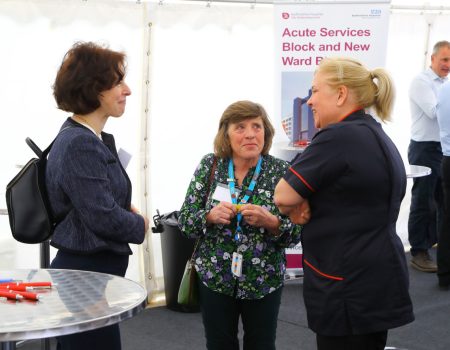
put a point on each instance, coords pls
(248, 192)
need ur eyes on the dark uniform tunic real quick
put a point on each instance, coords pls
(356, 279)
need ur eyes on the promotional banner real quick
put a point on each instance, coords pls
(305, 33)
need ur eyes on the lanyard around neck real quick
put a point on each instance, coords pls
(248, 192)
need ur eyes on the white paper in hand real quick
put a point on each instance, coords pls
(124, 157)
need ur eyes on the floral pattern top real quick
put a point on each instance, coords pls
(263, 253)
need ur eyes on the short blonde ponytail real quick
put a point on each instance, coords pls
(384, 99)
(371, 88)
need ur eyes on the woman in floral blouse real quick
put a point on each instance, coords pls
(240, 259)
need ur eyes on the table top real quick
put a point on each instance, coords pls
(417, 171)
(80, 301)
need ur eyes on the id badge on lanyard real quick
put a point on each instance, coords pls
(236, 263)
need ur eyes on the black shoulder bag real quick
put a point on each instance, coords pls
(30, 216)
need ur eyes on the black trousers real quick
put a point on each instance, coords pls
(443, 249)
(221, 314)
(106, 338)
(425, 212)
(372, 341)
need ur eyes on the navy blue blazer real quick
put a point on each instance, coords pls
(89, 189)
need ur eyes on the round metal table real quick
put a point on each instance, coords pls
(417, 171)
(79, 301)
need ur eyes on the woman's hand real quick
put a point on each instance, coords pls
(135, 210)
(300, 214)
(257, 216)
(222, 213)
(290, 203)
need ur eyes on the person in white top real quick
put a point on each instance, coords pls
(425, 149)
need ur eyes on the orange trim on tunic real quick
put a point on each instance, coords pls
(356, 110)
(302, 179)
(337, 278)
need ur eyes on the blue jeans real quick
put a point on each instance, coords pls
(221, 314)
(426, 196)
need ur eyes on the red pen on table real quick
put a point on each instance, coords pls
(10, 294)
(29, 284)
(19, 287)
(26, 295)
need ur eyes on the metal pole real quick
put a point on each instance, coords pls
(45, 264)
(45, 254)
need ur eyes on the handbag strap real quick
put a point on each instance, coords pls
(211, 177)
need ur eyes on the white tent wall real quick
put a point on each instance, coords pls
(202, 57)
(202, 62)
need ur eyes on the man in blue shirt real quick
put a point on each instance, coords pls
(425, 149)
(443, 252)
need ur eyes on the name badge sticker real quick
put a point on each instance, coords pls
(222, 193)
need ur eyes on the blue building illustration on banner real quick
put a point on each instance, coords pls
(300, 127)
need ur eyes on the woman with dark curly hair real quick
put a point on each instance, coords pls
(88, 188)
